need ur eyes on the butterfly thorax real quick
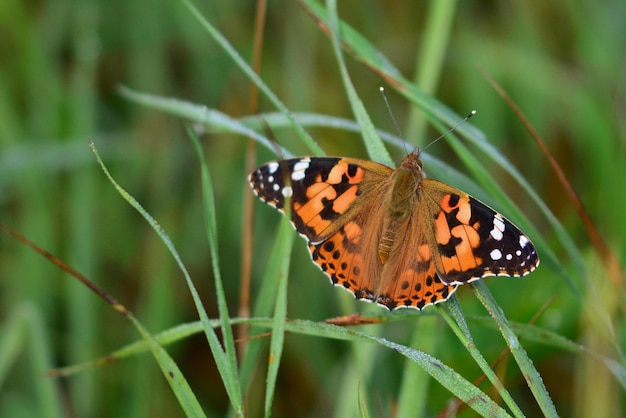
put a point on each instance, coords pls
(405, 182)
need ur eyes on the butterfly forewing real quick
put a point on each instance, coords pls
(471, 240)
(324, 191)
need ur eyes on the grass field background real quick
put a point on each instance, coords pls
(62, 64)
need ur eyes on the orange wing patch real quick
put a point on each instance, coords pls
(417, 287)
(339, 257)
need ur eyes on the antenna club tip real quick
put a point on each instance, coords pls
(381, 88)
(472, 113)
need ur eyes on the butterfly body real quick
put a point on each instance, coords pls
(391, 236)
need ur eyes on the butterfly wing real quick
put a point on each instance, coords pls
(469, 239)
(325, 192)
(350, 258)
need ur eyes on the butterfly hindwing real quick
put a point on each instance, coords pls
(350, 260)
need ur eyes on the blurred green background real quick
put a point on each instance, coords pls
(61, 62)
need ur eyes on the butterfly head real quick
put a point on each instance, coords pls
(413, 163)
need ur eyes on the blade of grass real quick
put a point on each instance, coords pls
(530, 373)
(223, 360)
(23, 333)
(199, 113)
(249, 71)
(285, 242)
(446, 376)
(373, 143)
(170, 370)
(228, 368)
(453, 315)
(262, 306)
(526, 331)
(431, 53)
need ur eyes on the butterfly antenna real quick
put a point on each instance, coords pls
(470, 114)
(393, 118)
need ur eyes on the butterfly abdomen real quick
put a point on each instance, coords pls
(398, 208)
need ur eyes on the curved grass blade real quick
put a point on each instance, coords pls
(373, 143)
(170, 370)
(285, 241)
(227, 356)
(253, 76)
(224, 366)
(530, 373)
(216, 120)
(24, 334)
(446, 376)
(453, 315)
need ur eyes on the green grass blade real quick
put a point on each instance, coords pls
(285, 242)
(215, 120)
(363, 404)
(180, 389)
(230, 376)
(453, 315)
(23, 333)
(373, 143)
(172, 373)
(533, 379)
(168, 336)
(446, 376)
(431, 57)
(253, 76)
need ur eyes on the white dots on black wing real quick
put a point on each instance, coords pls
(523, 241)
(272, 167)
(299, 169)
(495, 254)
(267, 184)
(497, 232)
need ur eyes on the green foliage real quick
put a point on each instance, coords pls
(63, 65)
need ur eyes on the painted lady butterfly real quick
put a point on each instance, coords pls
(391, 236)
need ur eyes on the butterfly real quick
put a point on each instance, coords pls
(393, 237)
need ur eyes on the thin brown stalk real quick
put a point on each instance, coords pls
(248, 207)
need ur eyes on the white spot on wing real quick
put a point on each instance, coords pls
(495, 254)
(270, 179)
(272, 167)
(287, 191)
(498, 228)
(275, 187)
(299, 169)
(523, 241)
